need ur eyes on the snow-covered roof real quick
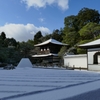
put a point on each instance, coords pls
(53, 41)
(45, 55)
(91, 44)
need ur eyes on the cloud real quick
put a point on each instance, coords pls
(63, 4)
(22, 32)
(41, 19)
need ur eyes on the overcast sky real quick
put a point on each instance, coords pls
(21, 19)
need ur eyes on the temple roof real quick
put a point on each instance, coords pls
(93, 44)
(53, 41)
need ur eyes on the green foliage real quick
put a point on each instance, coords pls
(87, 15)
(37, 37)
(71, 35)
(10, 42)
(25, 48)
(81, 28)
(3, 35)
(71, 38)
(85, 41)
(90, 31)
(80, 50)
(57, 35)
(9, 55)
(12, 51)
(31, 42)
(72, 50)
(13, 56)
(46, 37)
(70, 22)
(62, 51)
(3, 54)
(98, 37)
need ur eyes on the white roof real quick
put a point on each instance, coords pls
(45, 55)
(93, 43)
(51, 41)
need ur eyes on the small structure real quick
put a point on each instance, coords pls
(48, 51)
(25, 63)
(93, 54)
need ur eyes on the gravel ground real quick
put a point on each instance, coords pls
(92, 95)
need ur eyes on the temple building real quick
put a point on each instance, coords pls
(48, 52)
(93, 54)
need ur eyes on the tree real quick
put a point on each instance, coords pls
(90, 31)
(75, 29)
(87, 15)
(71, 35)
(25, 48)
(47, 36)
(80, 50)
(3, 35)
(3, 54)
(30, 42)
(62, 51)
(2, 38)
(13, 56)
(57, 35)
(71, 22)
(71, 38)
(37, 37)
(10, 42)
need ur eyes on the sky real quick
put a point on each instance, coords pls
(22, 19)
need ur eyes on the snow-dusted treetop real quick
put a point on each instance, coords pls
(53, 41)
(91, 44)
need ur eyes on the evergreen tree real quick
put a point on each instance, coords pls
(37, 37)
